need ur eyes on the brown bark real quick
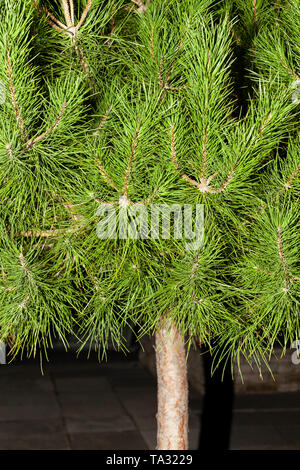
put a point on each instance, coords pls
(172, 392)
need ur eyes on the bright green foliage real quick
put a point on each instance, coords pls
(267, 276)
(79, 36)
(250, 16)
(40, 129)
(267, 273)
(139, 108)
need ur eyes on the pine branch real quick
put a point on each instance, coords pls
(152, 47)
(123, 200)
(204, 155)
(106, 177)
(175, 88)
(210, 178)
(281, 254)
(142, 7)
(187, 178)
(52, 232)
(165, 85)
(263, 270)
(65, 6)
(69, 209)
(70, 29)
(41, 234)
(255, 14)
(9, 151)
(24, 266)
(203, 186)
(72, 11)
(150, 198)
(84, 15)
(55, 23)
(196, 264)
(105, 117)
(261, 129)
(237, 39)
(84, 65)
(292, 177)
(293, 74)
(14, 99)
(160, 80)
(25, 301)
(49, 131)
(56, 232)
(127, 174)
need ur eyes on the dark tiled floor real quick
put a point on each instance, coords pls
(81, 404)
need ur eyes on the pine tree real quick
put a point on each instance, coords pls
(219, 155)
(38, 140)
(210, 154)
(112, 107)
(267, 272)
(47, 83)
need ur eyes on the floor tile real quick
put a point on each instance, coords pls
(129, 440)
(29, 410)
(82, 384)
(57, 441)
(103, 424)
(255, 437)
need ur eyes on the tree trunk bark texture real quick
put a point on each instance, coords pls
(172, 391)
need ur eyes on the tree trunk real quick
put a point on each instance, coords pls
(172, 389)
